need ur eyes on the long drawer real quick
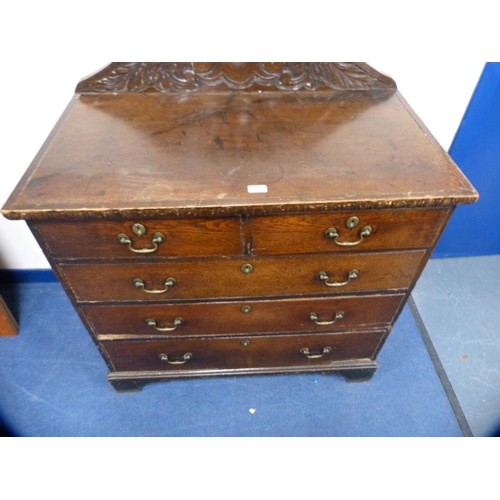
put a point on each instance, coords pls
(141, 238)
(240, 318)
(347, 231)
(233, 353)
(253, 277)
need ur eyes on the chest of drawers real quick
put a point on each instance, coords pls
(238, 218)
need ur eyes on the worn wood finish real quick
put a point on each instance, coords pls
(100, 239)
(306, 233)
(170, 155)
(230, 318)
(227, 352)
(218, 279)
(238, 164)
(278, 234)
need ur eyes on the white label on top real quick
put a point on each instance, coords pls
(257, 188)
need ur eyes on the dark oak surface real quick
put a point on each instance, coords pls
(280, 234)
(181, 155)
(225, 318)
(223, 278)
(391, 229)
(184, 237)
(224, 353)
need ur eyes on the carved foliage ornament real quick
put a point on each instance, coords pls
(194, 77)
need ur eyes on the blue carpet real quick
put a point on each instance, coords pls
(53, 383)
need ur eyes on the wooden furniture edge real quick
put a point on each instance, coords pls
(8, 324)
(232, 211)
(474, 195)
(358, 370)
(25, 178)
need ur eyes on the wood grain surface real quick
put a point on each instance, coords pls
(176, 155)
(224, 318)
(226, 352)
(219, 279)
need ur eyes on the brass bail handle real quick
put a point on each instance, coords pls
(351, 275)
(314, 317)
(141, 230)
(185, 357)
(139, 283)
(306, 352)
(332, 233)
(152, 322)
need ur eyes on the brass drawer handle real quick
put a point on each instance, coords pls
(186, 357)
(351, 275)
(314, 317)
(306, 352)
(332, 233)
(157, 239)
(141, 284)
(152, 322)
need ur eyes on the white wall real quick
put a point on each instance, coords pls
(438, 91)
(42, 91)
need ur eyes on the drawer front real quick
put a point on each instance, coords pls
(92, 239)
(311, 233)
(249, 317)
(221, 279)
(233, 353)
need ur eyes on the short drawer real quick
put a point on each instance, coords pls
(240, 318)
(253, 277)
(140, 238)
(233, 353)
(347, 231)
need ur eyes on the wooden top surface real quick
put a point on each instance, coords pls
(174, 154)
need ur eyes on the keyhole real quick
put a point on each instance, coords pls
(352, 222)
(138, 229)
(246, 268)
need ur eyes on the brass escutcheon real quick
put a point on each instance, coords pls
(352, 222)
(246, 268)
(139, 229)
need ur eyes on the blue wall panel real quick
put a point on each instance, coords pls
(475, 229)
